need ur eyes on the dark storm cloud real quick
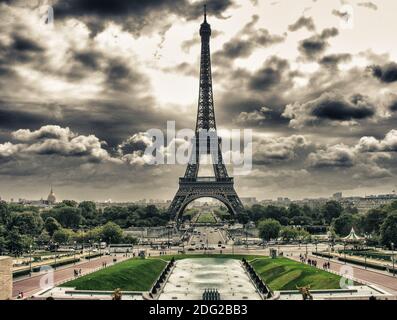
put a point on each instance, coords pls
(332, 61)
(316, 45)
(303, 22)
(355, 108)
(281, 149)
(341, 14)
(134, 15)
(184, 68)
(393, 106)
(369, 5)
(20, 50)
(245, 42)
(333, 156)
(119, 76)
(237, 49)
(329, 107)
(386, 73)
(88, 59)
(269, 75)
(65, 8)
(14, 119)
(112, 121)
(256, 99)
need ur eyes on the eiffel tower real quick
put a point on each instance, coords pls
(221, 186)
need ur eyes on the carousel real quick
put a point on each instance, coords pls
(354, 240)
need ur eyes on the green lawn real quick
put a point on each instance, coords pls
(286, 274)
(131, 275)
(206, 217)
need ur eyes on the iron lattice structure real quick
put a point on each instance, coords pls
(206, 141)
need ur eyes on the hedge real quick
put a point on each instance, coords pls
(321, 254)
(93, 256)
(356, 262)
(26, 272)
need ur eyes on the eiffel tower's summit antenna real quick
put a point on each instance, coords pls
(205, 13)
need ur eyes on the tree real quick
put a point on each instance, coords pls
(111, 233)
(4, 213)
(130, 239)
(88, 209)
(3, 241)
(294, 210)
(69, 203)
(62, 236)
(289, 233)
(269, 229)
(388, 229)
(51, 225)
(331, 210)
(28, 223)
(301, 221)
(275, 212)
(372, 220)
(242, 218)
(18, 243)
(303, 235)
(343, 224)
(69, 217)
(392, 206)
(44, 238)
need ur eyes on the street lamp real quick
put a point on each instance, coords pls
(56, 251)
(30, 259)
(246, 236)
(392, 256)
(100, 251)
(168, 233)
(74, 252)
(344, 250)
(89, 249)
(329, 251)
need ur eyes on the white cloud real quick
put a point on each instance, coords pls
(371, 144)
(52, 139)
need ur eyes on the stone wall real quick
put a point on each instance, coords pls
(5, 278)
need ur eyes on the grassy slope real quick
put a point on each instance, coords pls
(286, 274)
(130, 275)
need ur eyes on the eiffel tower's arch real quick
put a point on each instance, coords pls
(192, 198)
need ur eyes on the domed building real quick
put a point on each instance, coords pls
(51, 199)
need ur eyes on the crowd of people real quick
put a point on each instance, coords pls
(312, 262)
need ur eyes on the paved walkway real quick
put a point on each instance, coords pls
(383, 281)
(34, 284)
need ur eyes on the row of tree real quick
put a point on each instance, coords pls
(378, 225)
(297, 215)
(71, 214)
(23, 227)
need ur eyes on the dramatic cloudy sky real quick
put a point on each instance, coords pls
(316, 80)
